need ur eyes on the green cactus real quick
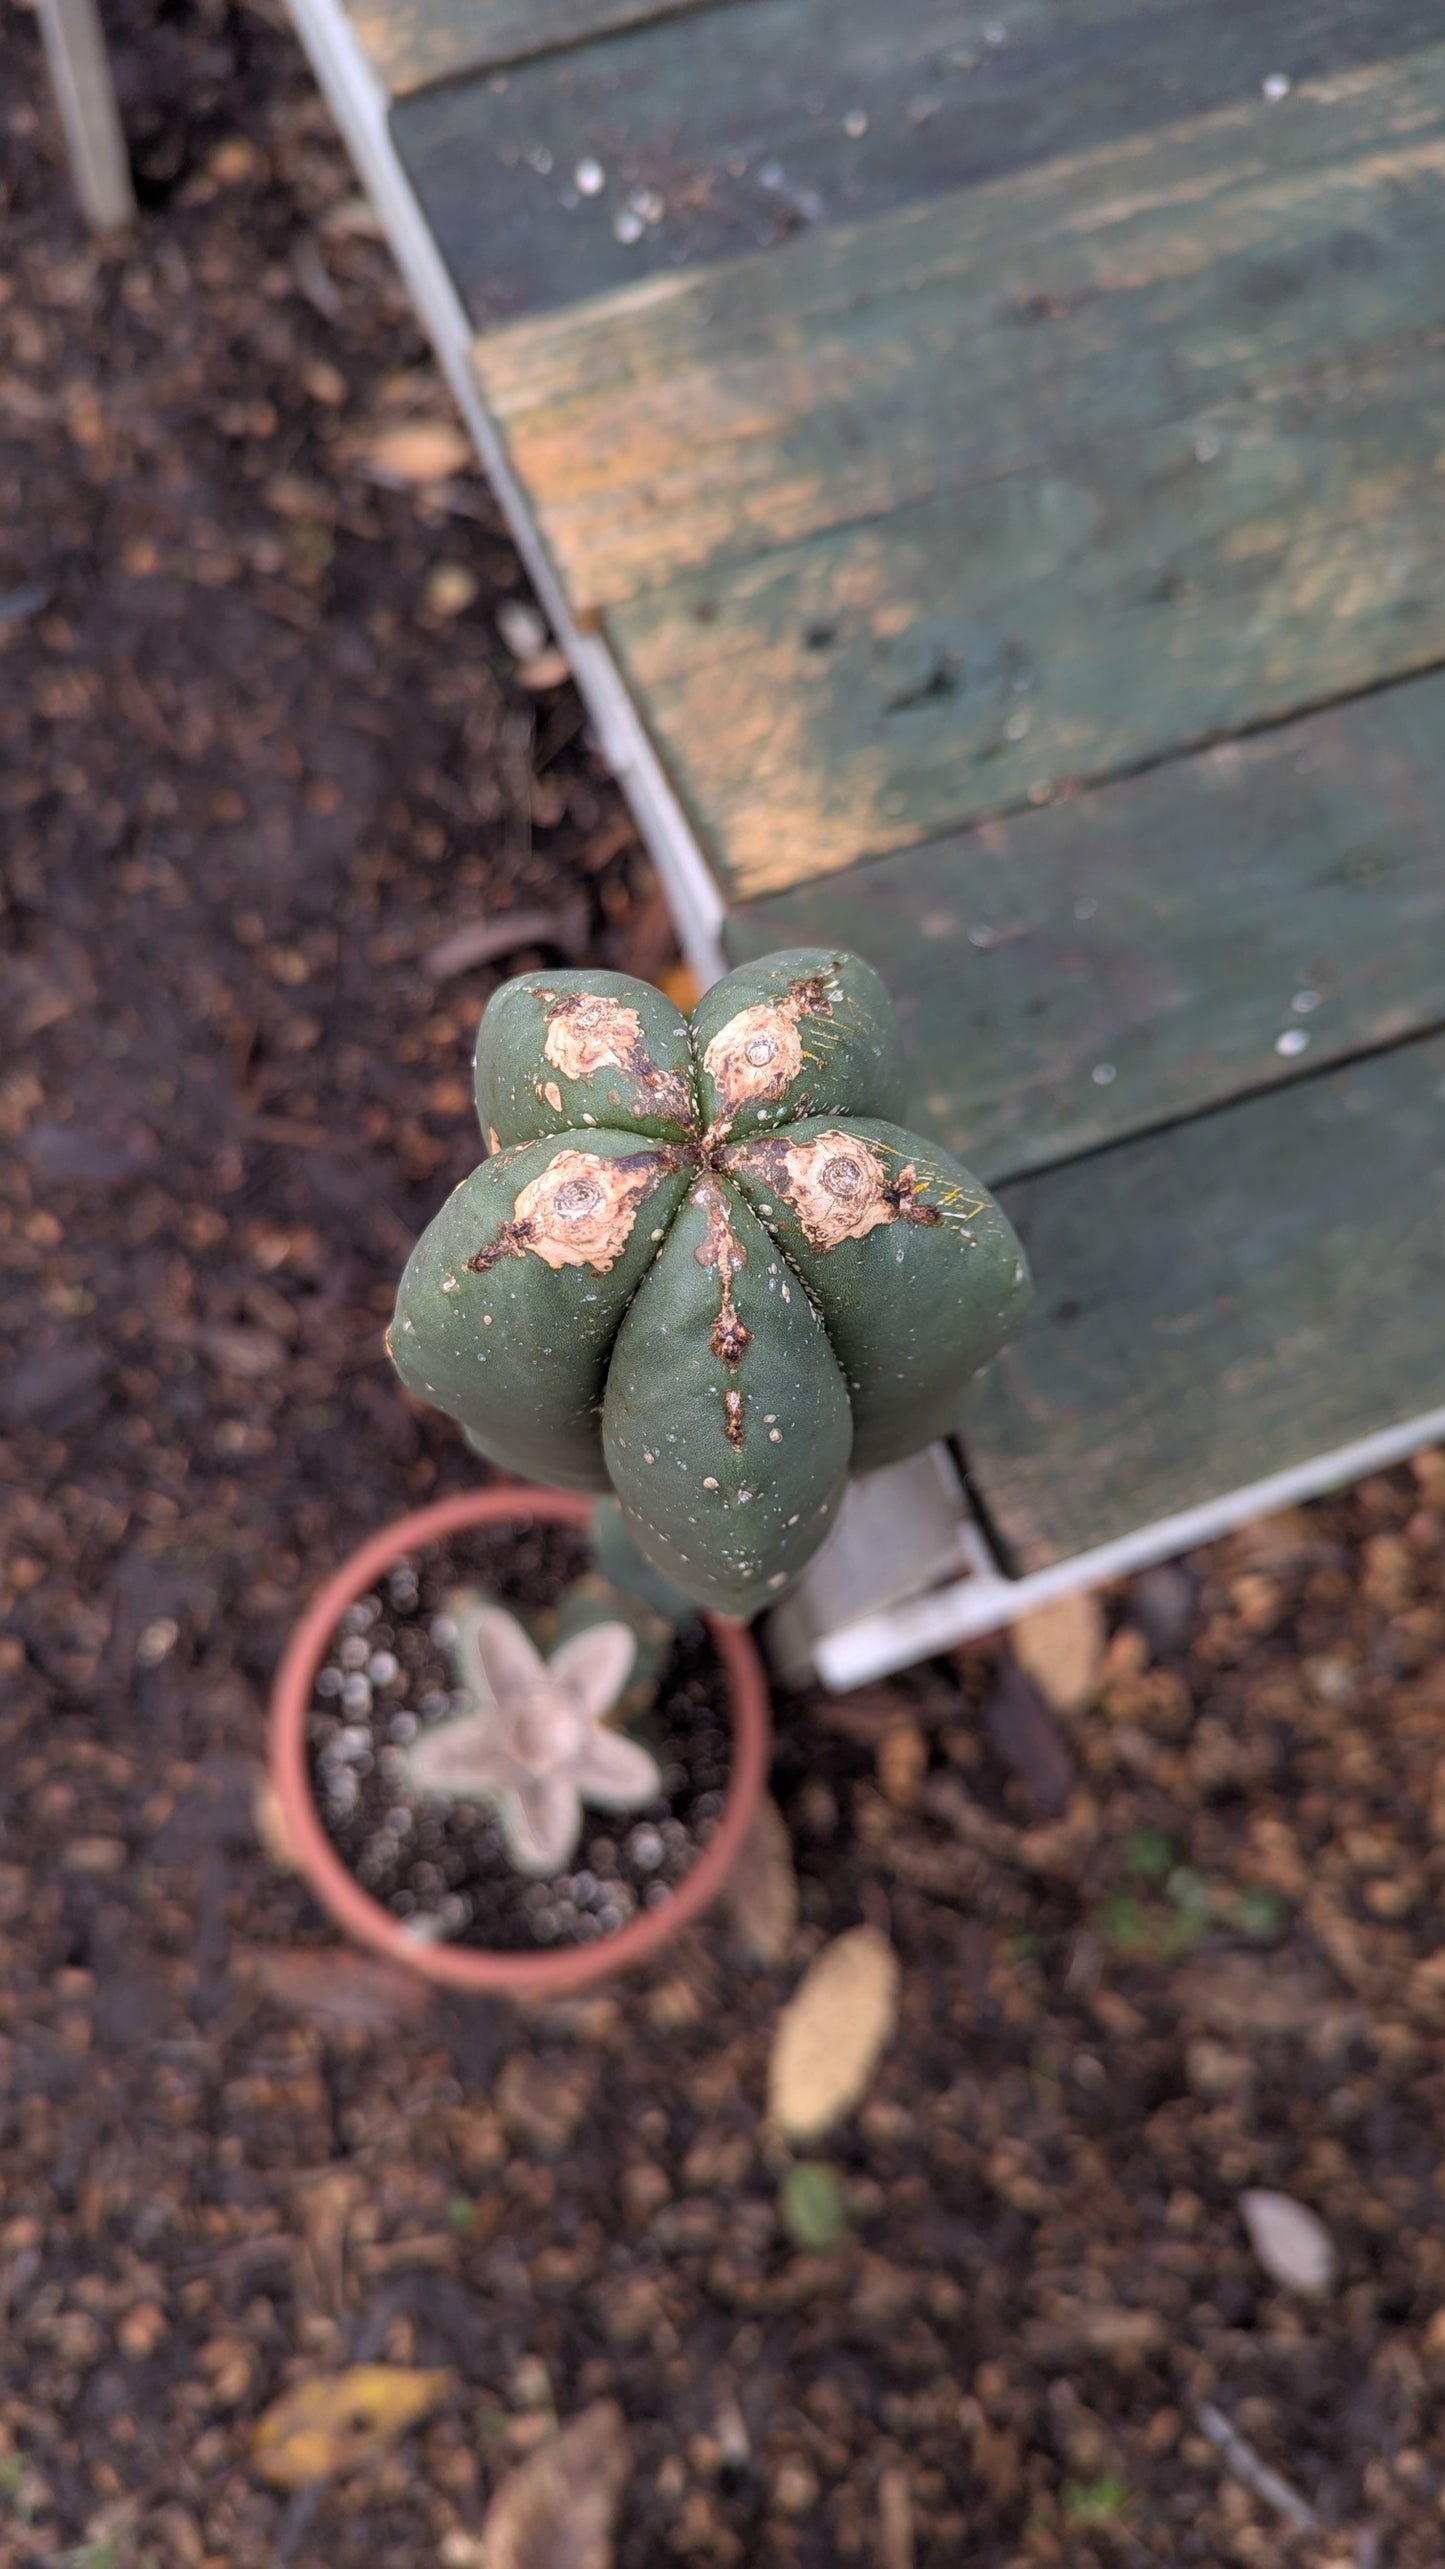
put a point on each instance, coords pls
(703, 1264)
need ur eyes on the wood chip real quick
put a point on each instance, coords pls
(558, 2508)
(895, 2518)
(541, 2106)
(339, 1987)
(550, 669)
(831, 2034)
(1291, 2242)
(341, 2421)
(416, 451)
(1061, 1646)
(762, 1892)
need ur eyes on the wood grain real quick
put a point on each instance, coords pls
(415, 42)
(865, 368)
(770, 118)
(1219, 1302)
(1068, 977)
(1138, 584)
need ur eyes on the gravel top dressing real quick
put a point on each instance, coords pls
(441, 1867)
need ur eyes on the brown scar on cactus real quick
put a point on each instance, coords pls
(758, 1054)
(837, 1185)
(578, 1213)
(587, 1033)
(731, 1337)
(733, 1417)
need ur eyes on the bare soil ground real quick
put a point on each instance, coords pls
(263, 752)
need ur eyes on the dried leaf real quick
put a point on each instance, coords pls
(1061, 1646)
(831, 2033)
(417, 450)
(340, 2421)
(1026, 1735)
(557, 2509)
(762, 1893)
(1291, 2242)
(340, 1987)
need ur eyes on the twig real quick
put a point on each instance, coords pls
(1244, 2462)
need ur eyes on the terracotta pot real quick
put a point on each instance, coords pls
(473, 1967)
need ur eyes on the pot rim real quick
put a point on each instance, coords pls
(469, 1966)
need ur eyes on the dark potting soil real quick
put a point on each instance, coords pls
(442, 1867)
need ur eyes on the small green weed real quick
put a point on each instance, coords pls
(1100, 2501)
(813, 2205)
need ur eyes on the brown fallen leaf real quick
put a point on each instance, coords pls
(1026, 1735)
(339, 1987)
(1061, 1646)
(558, 2508)
(831, 2033)
(416, 450)
(762, 1892)
(341, 2421)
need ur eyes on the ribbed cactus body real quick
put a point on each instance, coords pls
(702, 1264)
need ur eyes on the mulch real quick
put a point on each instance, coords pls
(258, 764)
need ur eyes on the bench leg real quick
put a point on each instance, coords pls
(85, 96)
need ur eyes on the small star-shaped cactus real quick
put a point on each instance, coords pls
(532, 1741)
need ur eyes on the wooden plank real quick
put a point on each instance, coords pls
(1220, 1302)
(742, 126)
(1138, 589)
(1133, 955)
(700, 420)
(415, 42)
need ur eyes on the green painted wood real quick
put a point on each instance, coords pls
(701, 420)
(415, 42)
(1220, 1302)
(1130, 956)
(743, 125)
(1137, 586)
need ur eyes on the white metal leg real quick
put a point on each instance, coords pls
(85, 95)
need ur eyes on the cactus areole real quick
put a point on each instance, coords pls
(703, 1264)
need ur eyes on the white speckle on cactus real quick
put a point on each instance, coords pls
(449, 1285)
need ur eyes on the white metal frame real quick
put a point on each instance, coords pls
(979, 1598)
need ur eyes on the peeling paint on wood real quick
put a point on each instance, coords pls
(709, 419)
(1135, 954)
(414, 42)
(1219, 1302)
(742, 127)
